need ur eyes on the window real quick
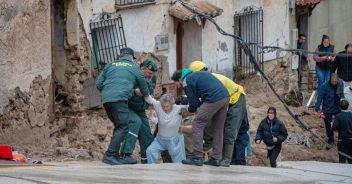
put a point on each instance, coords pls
(108, 38)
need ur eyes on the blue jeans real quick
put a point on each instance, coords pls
(322, 75)
(175, 145)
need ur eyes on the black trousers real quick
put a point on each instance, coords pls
(329, 132)
(273, 154)
(118, 113)
(345, 146)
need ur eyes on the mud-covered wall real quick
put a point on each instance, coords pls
(40, 90)
(25, 42)
(75, 68)
(25, 84)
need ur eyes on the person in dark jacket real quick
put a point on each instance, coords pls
(343, 64)
(273, 133)
(301, 45)
(139, 124)
(209, 98)
(328, 96)
(116, 83)
(343, 124)
(324, 57)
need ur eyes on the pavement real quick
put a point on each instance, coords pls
(97, 172)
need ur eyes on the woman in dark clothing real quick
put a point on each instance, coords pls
(273, 133)
(324, 57)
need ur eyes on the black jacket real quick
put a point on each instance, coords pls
(343, 64)
(267, 130)
(343, 123)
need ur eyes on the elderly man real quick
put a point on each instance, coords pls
(210, 99)
(116, 83)
(139, 124)
(328, 95)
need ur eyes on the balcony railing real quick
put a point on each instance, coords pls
(122, 4)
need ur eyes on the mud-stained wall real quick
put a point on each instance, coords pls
(75, 68)
(25, 42)
(40, 96)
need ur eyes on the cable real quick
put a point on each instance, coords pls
(252, 59)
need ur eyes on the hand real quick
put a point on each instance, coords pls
(180, 129)
(325, 57)
(137, 91)
(184, 113)
(321, 115)
(274, 139)
(258, 141)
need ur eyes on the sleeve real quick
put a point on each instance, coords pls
(193, 101)
(142, 83)
(100, 81)
(340, 88)
(259, 135)
(335, 124)
(152, 84)
(334, 54)
(335, 64)
(316, 56)
(319, 99)
(283, 133)
(304, 54)
(150, 100)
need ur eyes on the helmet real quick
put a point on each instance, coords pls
(197, 66)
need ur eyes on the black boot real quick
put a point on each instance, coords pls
(193, 161)
(144, 161)
(111, 159)
(213, 162)
(127, 159)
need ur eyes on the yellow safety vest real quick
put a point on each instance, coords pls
(234, 89)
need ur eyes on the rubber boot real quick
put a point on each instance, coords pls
(226, 155)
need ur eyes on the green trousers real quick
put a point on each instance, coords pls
(234, 118)
(138, 128)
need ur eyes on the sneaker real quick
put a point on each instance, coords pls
(225, 163)
(126, 159)
(144, 161)
(111, 160)
(193, 161)
(213, 162)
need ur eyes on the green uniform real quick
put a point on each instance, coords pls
(116, 83)
(139, 124)
(118, 79)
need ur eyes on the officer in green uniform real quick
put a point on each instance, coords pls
(139, 124)
(116, 83)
